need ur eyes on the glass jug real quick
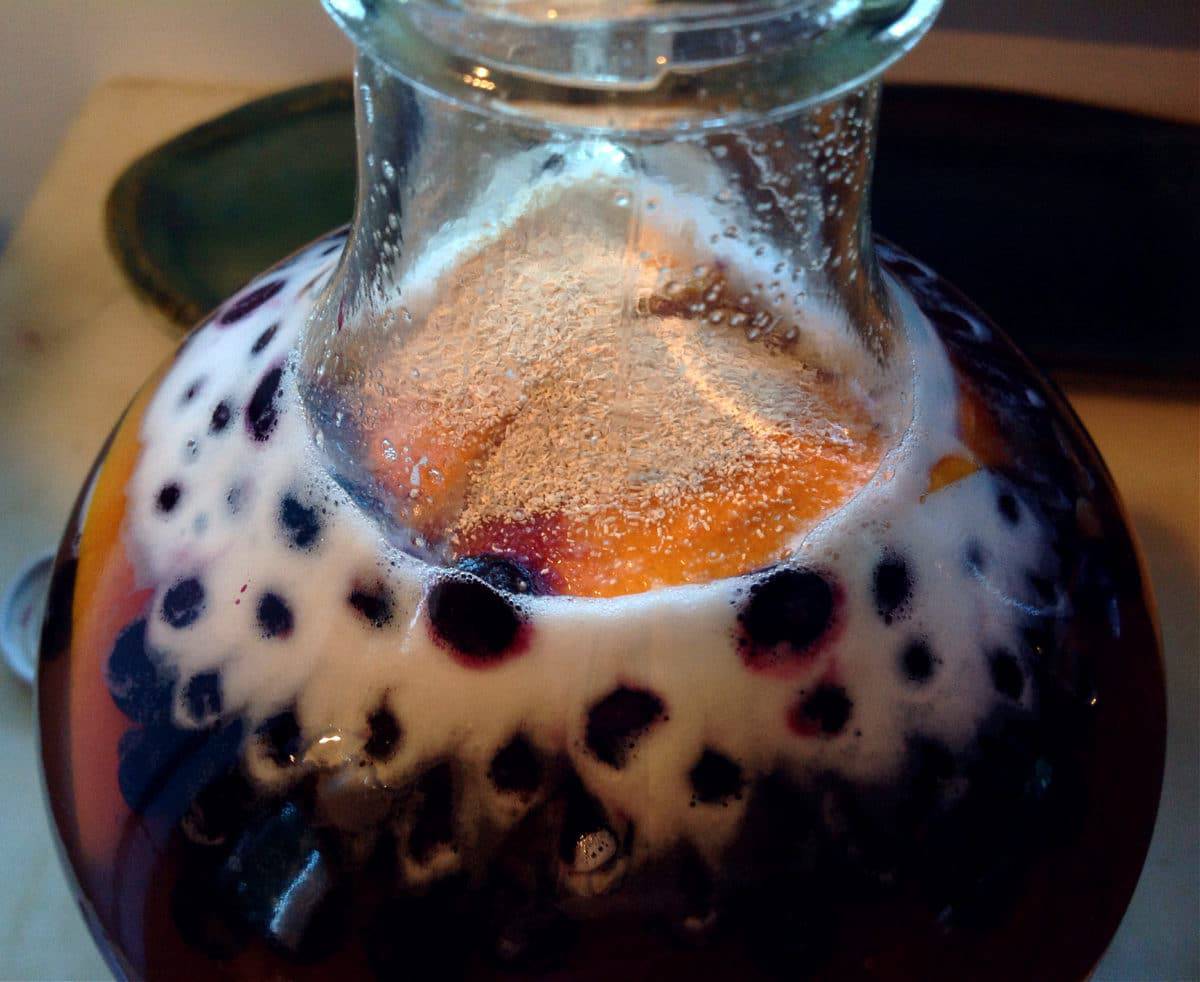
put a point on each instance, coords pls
(604, 557)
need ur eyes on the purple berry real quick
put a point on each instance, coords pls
(917, 662)
(824, 713)
(275, 618)
(168, 497)
(1007, 676)
(501, 573)
(247, 303)
(139, 686)
(220, 418)
(281, 738)
(475, 620)
(516, 767)
(892, 587)
(791, 607)
(384, 734)
(434, 824)
(715, 778)
(616, 722)
(262, 413)
(202, 697)
(1009, 510)
(375, 603)
(301, 524)
(264, 339)
(183, 603)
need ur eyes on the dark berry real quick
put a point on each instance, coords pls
(301, 524)
(56, 630)
(219, 811)
(516, 767)
(220, 418)
(501, 573)
(974, 558)
(142, 690)
(615, 723)
(1007, 676)
(262, 414)
(434, 824)
(792, 607)
(1010, 511)
(583, 816)
(715, 778)
(383, 734)
(202, 696)
(201, 911)
(824, 713)
(274, 616)
(280, 737)
(375, 603)
(163, 768)
(554, 163)
(183, 603)
(249, 302)
(473, 618)
(892, 586)
(264, 339)
(917, 662)
(168, 497)
(282, 881)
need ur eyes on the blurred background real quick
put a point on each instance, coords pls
(75, 341)
(55, 51)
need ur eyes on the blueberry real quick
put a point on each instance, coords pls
(262, 413)
(1009, 510)
(183, 603)
(301, 524)
(715, 778)
(583, 816)
(917, 661)
(791, 606)
(473, 618)
(202, 696)
(136, 681)
(220, 418)
(264, 339)
(373, 603)
(824, 713)
(218, 813)
(434, 824)
(516, 767)
(280, 736)
(249, 302)
(168, 497)
(501, 573)
(615, 723)
(892, 587)
(284, 884)
(275, 618)
(56, 629)
(192, 390)
(163, 768)
(383, 734)
(1007, 676)
(202, 911)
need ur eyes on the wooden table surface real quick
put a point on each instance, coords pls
(75, 343)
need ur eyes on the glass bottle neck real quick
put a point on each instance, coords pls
(494, 251)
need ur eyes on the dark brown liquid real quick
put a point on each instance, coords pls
(1013, 860)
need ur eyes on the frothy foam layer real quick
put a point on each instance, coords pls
(266, 573)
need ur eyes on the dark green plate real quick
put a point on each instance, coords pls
(196, 218)
(1074, 227)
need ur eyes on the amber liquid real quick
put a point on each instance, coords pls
(1015, 861)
